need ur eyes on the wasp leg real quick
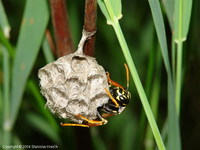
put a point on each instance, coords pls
(92, 123)
(112, 99)
(73, 124)
(106, 115)
(127, 75)
(87, 122)
(111, 82)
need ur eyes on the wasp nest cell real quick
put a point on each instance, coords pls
(74, 84)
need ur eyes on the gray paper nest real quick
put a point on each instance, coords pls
(74, 84)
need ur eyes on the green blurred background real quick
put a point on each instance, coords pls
(35, 125)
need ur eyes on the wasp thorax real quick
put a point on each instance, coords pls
(74, 84)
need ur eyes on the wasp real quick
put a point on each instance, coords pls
(118, 99)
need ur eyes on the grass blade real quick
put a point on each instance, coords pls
(1, 87)
(47, 51)
(41, 105)
(107, 6)
(43, 126)
(173, 123)
(154, 100)
(6, 86)
(135, 76)
(117, 7)
(187, 10)
(16, 141)
(1, 112)
(104, 10)
(169, 7)
(33, 26)
(4, 21)
(96, 139)
(139, 87)
(7, 44)
(6, 134)
(160, 30)
(182, 15)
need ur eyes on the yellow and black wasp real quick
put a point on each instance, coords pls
(118, 99)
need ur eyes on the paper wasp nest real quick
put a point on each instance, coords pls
(74, 84)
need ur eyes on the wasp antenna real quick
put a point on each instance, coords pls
(127, 75)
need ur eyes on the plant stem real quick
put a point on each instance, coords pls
(90, 25)
(41, 103)
(61, 27)
(178, 76)
(138, 84)
(154, 101)
(112, 18)
(50, 42)
(173, 46)
(6, 99)
(179, 42)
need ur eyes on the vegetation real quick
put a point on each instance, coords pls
(159, 42)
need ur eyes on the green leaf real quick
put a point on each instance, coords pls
(182, 16)
(187, 9)
(103, 9)
(97, 140)
(139, 87)
(173, 124)
(1, 105)
(4, 21)
(16, 141)
(43, 126)
(128, 135)
(117, 8)
(6, 85)
(135, 76)
(1, 99)
(111, 9)
(160, 30)
(47, 51)
(33, 26)
(181, 26)
(5, 42)
(154, 100)
(40, 104)
(169, 7)
(6, 134)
